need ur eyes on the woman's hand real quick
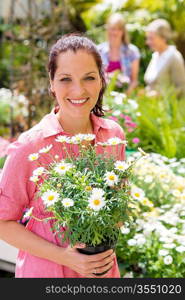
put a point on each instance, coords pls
(88, 265)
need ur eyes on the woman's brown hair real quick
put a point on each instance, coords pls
(75, 42)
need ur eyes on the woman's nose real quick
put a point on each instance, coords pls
(78, 89)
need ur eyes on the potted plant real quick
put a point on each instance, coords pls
(88, 195)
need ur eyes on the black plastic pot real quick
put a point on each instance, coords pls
(90, 250)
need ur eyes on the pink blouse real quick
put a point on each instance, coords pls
(17, 192)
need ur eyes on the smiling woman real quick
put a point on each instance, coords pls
(77, 82)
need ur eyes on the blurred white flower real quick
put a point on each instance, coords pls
(131, 242)
(180, 249)
(163, 252)
(168, 260)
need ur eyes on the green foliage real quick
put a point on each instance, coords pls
(161, 124)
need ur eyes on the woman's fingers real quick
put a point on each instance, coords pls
(100, 256)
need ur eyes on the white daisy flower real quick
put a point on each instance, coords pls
(46, 149)
(124, 230)
(62, 139)
(96, 202)
(137, 193)
(180, 249)
(128, 275)
(121, 165)
(115, 141)
(89, 137)
(77, 139)
(169, 245)
(168, 259)
(111, 178)
(39, 171)
(62, 167)
(131, 242)
(98, 192)
(28, 213)
(33, 156)
(148, 179)
(34, 178)
(163, 252)
(67, 202)
(50, 197)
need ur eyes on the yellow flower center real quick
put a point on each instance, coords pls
(137, 194)
(50, 198)
(62, 167)
(88, 188)
(120, 167)
(96, 201)
(111, 177)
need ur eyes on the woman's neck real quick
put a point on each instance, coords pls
(162, 48)
(75, 125)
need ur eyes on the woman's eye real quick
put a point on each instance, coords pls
(65, 79)
(89, 78)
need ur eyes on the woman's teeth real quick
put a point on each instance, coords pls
(78, 101)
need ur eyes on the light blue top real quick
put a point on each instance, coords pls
(128, 53)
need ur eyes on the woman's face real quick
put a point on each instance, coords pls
(76, 83)
(114, 33)
(153, 40)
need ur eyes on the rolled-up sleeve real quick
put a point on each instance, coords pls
(15, 186)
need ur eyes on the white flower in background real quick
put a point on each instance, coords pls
(28, 213)
(137, 193)
(89, 137)
(133, 103)
(116, 113)
(131, 242)
(98, 192)
(111, 178)
(128, 275)
(148, 179)
(46, 149)
(62, 139)
(166, 239)
(50, 197)
(169, 246)
(121, 165)
(39, 171)
(176, 193)
(168, 260)
(124, 230)
(67, 202)
(62, 167)
(180, 249)
(33, 156)
(96, 202)
(146, 202)
(34, 178)
(163, 252)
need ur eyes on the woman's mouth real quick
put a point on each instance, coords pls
(78, 102)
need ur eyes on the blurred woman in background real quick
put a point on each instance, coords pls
(166, 68)
(118, 54)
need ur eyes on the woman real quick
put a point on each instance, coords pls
(166, 68)
(77, 82)
(118, 53)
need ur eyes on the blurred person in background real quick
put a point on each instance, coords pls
(118, 54)
(166, 68)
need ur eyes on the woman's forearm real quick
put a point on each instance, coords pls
(18, 236)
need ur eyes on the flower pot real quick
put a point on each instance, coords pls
(90, 250)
